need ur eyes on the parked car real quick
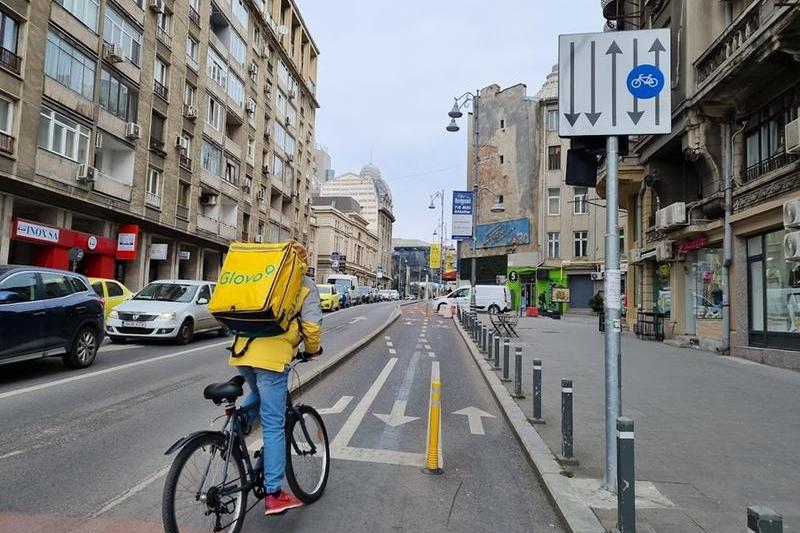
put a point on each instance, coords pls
(46, 312)
(343, 289)
(112, 291)
(366, 294)
(346, 283)
(328, 297)
(384, 295)
(491, 298)
(395, 295)
(165, 309)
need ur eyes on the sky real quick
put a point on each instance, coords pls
(389, 70)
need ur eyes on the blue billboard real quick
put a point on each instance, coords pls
(461, 226)
(505, 233)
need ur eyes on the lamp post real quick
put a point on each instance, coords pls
(440, 195)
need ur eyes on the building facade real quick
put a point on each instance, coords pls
(375, 198)
(736, 86)
(322, 168)
(341, 228)
(161, 130)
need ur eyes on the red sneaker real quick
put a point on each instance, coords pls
(280, 503)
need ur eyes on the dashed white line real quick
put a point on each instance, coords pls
(392, 351)
(389, 344)
(427, 346)
(11, 454)
(431, 354)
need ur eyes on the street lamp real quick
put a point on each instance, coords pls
(440, 231)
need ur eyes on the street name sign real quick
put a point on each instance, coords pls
(614, 83)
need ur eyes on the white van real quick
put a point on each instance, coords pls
(351, 282)
(491, 298)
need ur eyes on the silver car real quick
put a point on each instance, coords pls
(165, 309)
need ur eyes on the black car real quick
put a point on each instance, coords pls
(46, 312)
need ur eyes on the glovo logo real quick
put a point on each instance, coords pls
(235, 278)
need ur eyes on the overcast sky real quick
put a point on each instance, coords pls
(389, 69)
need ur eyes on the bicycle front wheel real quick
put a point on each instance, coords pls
(308, 459)
(196, 496)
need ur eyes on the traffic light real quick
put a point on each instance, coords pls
(583, 156)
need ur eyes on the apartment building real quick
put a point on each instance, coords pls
(342, 229)
(736, 87)
(159, 131)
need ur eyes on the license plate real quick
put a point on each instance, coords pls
(127, 324)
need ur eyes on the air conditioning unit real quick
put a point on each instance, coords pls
(791, 246)
(190, 111)
(251, 107)
(85, 173)
(156, 6)
(792, 132)
(265, 169)
(677, 214)
(596, 276)
(113, 52)
(661, 219)
(635, 255)
(664, 251)
(208, 199)
(133, 130)
(98, 140)
(181, 143)
(791, 214)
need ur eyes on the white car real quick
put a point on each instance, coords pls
(491, 298)
(165, 309)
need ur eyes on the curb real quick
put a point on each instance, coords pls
(574, 513)
(315, 375)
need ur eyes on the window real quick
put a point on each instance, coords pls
(214, 112)
(63, 136)
(253, 71)
(765, 138)
(84, 10)
(114, 289)
(186, 140)
(191, 51)
(581, 243)
(154, 182)
(117, 30)
(580, 207)
(502, 159)
(257, 37)
(283, 74)
(236, 88)
(117, 97)
(189, 94)
(24, 285)
(554, 201)
(231, 171)
(69, 67)
(211, 158)
(240, 12)
(553, 157)
(157, 123)
(502, 124)
(216, 68)
(160, 74)
(55, 285)
(238, 49)
(621, 240)
(164, 22)
(184, 193)
(552, 120)
(6, 115)
(251, 150)
(9, 32)
(277, 166)
(553, 245)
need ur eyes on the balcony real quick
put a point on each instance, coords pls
(106, 184)
(164, 37)
(182, 212)
(185, 161)
(208, 224)
(729, 43)
(160, 89)
(153, 200)
(194, 16)
(157, 145)
(10, 60)
(210, 180)
(227, 231)
(773, 163)
(6, 143)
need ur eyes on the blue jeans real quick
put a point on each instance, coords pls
(267, 398)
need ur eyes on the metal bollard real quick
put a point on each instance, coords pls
(626, 478)
(518, 373)
(566, 457)
(762, 519)
(506, 363)
(506, 349)
(496, 351)
(484, 335)
(489, 346)
(537, 393)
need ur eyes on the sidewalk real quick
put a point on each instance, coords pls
(713, 434)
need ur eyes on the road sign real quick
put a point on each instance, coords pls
(615, 83)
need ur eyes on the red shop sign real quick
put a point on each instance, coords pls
(692, 244)
(127, 242)
(27, 230)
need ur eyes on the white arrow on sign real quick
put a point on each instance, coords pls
(398, 415)
(357, 319)
(475, 418)
(338, 407)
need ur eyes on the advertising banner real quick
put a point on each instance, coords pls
(463, 204)
(436, 256)
(505, 233)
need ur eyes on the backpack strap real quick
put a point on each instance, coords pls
(232, 347)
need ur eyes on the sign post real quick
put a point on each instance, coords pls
(613, 84)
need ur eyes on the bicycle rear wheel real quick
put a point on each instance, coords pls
(308, 459)
(196, 497)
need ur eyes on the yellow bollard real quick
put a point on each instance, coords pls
(434, 418)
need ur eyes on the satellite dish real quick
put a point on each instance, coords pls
(283, 30)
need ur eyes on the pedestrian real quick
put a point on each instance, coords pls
(264, 364)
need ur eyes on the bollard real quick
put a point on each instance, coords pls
(484, 334)
(626, 478)
(506, 363)
(518, 373)
(434, 418)
(762, 519)
(473, 328)
(566, 457)
(537, 393)
(506, 348)
(496, 351)
(489, 346)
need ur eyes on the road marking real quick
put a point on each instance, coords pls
(340, 405)
(431, 354)
(388, 457)
(435, 371)
(392, 351)
(389, 344)
(387, 337)
(126, 366)
(428, 347)
(398, 415)
(118, 347)
(11, 454)
(474, 418)
(139, 487)
(357, 319)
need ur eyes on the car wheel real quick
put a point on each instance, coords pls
(224, 331)
(117, 340)
(494, 309)
(83, 350)
(185, 332)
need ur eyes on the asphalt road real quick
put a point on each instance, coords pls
(84, 451)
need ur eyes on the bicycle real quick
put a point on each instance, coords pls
(199, 480)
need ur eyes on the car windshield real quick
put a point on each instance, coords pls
(343, 284)
(323, 289)
(167, 292)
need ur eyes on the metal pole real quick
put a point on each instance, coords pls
(626, 493)
(476, 98)
(496, 352)
(506, 350)
(484, 336)
(518, 373)
(490, 345)
(506, 364)
(537, 393)
(566, 423)
(612, 311)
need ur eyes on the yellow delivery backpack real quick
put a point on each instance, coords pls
(257, 290)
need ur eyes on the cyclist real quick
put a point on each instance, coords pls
(264, 366)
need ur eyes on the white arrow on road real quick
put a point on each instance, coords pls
(475, 418)
(338, 407)
(357, 319)
(398, 415)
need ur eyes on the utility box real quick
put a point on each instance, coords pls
(762, 519)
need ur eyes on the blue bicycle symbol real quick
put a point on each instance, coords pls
(645, 81)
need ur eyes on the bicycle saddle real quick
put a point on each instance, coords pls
(225, 392)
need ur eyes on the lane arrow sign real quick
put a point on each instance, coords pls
(572, 116)
(357, 319)
(657, 48)
(398, 415)
(593, 115)
(475, 419)
(635, 115)
(614, 49)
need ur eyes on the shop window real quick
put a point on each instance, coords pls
(707, 290)
(662, 291)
